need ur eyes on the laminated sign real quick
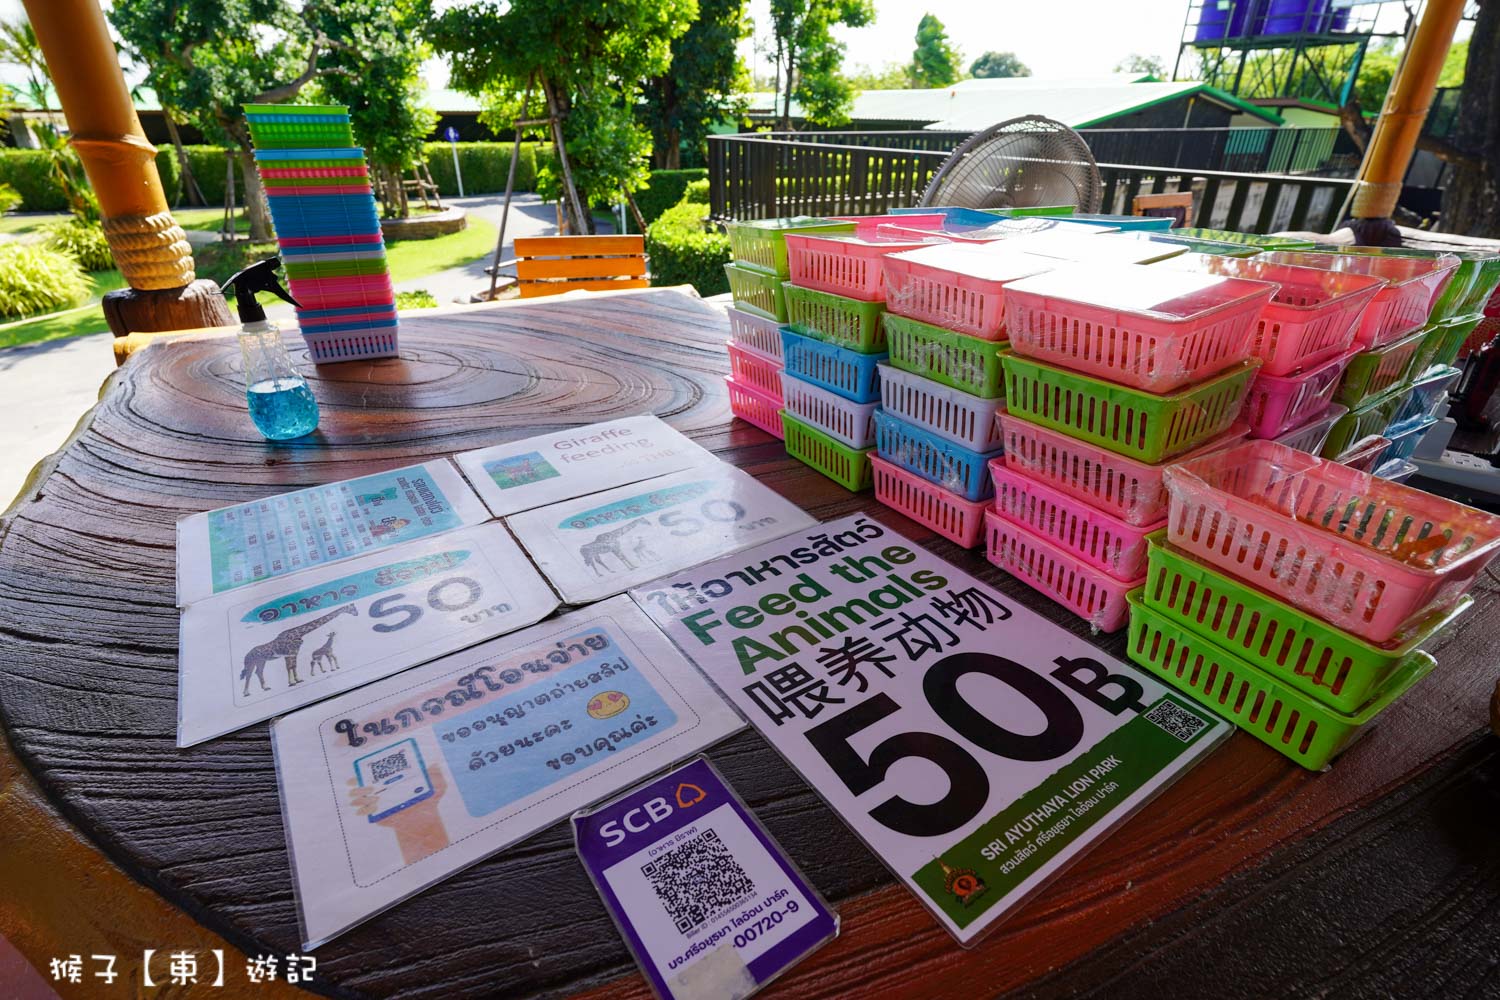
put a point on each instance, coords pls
(234, 547)
(258, 652)
(977, 748)
(606, 543)
(551, 467)
(395, 786)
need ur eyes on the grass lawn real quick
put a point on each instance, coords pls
(408, 259)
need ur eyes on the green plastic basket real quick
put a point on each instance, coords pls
(1283, 718)
(1026, 211)
(273, 183)
(279, 136)
(1444, 340)
(954, 359)
(837, 319)
(756, 292)
(335, 268)
(849, 467)
(761, 243)
(1486, 280)
(295, 109)
(1338, 669)
(1372, 418)
(1130, 422)
(1245, 239)
(1371, 374)
(1461, 286)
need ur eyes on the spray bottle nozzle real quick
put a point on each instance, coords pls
(258, 277)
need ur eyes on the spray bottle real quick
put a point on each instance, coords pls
(281, 403)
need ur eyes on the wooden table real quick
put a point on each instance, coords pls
(1250, 877)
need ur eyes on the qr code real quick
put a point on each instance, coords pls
(1176, 720)
(388, 766)
(697, 880)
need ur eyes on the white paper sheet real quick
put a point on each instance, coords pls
(258, 652)
(394, 787)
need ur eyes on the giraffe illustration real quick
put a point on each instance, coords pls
(323, 657)
(285, 647)
(610, 543)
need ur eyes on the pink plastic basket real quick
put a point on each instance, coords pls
(311, 173)
(1144, 327)
(337, 239)
(840, 418)
(1309, 437)
(1311, 318)
(1365, 555)
(950, 515)
(1278, 403)
(1102, 541)
(755, 407)
(957, 287)
(1412, 283)
(1129, 489)
(1094, 596)
(755, 369)
(844, 265)
(289, 193)
(755, 332)
(1365, 454)
(868, 226)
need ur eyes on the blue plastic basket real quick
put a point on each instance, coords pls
(937, 460)
(260, 119)
(313, 153)
(1404, 440)
(1427, 394)
(850, 374)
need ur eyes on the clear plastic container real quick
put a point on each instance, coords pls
(1398, 471)
(846, 265)
(1428, 394)
(956, 287)
(1279, 403)
(1397, 309)
(850, 374)
(754, 406)
(1365, 454)
(842, 419)
(938, 460)
(755, 332)
(962, 418)
(1148, 328)
(1365, 555)
(1104, 542)
(1309, 437)
(1094, 596)
(755, 369)
(956, 519)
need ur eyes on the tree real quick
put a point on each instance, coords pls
(891, 76)
(701, 86)
(935, 61)
(1378, 70)
(808, 58)
(588, 61)
(19, 47)
(1471, 202)
(994, 65)
(1137, 63)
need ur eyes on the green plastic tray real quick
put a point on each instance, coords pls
(837, 319)
(1371, 374)
(849, 467)
(954, 359)
(1372, 418)
(1245, 239)
(761, 243)
(1027, 211)
(1486, 280)
(1460, 287)
(1278, 715)
(300, 164)
(295, 109)
(335, 268)
(1445, 339)
(1338, 669)
(1130, 422)
(302, 182)
(756, 292)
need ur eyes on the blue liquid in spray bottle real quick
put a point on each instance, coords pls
(281, 402)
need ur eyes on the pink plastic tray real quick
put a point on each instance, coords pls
(1364, 454)
(273, 191)
(1129, 489)
(1102, 541)
(753, 406)
(310, 173)
(1365, 555)
(844, 265)
(949, 514)
(1096, 597)
(957, 287)
(868, 226)
(1149, 328)
(334, 240)
(755, 370)
(1278, 403)
(1411, 286)
(1309, 437)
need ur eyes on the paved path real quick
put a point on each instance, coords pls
(44, 389)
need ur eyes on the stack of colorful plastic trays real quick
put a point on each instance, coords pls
(328, 229)
(942, 386)
(1114, 372)
(1292, 594)
(1304, 339)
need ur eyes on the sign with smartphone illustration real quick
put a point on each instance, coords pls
(392, 787)
(248, 655)
(976, 747)
(234, 547)
(547, 468)
(606, 543)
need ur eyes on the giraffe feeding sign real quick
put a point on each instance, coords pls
(281, 644)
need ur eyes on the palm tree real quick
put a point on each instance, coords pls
(19, 47)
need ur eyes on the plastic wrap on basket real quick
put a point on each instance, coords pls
(1309, 437)
(955, 359)
(1404, 441)
(1365, 454)
(852, 265)
(754, 369)
(966, 420)
(1093, 595)
(837, 416)
(755, 332)
(1398, 308)
(1101, 540)
(1428, 394)
(936, 459)
(1371, 418)
(1373, 373)
(956, 519)
(1365, 555)
(1279, 403)
(1398, 471)
(956, 287)
(850, 374)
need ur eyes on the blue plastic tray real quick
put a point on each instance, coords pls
(850, 374)
(313, 153)
(937, 460)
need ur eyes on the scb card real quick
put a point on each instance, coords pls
(706, 900)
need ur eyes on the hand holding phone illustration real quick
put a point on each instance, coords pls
(395, 788)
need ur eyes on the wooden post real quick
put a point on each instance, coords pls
(149, 247)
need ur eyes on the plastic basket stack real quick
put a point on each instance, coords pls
(942, 383)
(328, 229)
(1293, 594)
(1114, 372)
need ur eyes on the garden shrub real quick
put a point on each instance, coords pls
(81, 240)
(30, 172)
(9, 198)
(485, 166)
(35, 280)
(664, 190)
(697, 191)
(685, 251)
(421, 298)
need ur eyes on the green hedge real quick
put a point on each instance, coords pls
(28, 171)
(684, 252)
(485, 166)
(664, 190)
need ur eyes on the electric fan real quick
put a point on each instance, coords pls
(1021, 163)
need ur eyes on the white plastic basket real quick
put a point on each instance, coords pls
(951, 413)
(755, 332)
(849, 422)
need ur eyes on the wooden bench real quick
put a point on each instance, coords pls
(551, 265)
